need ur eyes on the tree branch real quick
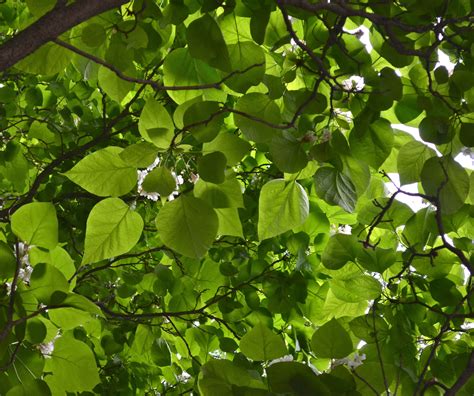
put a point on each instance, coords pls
(50, 26)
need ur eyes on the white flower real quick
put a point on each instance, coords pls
(353, 83)
(351, 363)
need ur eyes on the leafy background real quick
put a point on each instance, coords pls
(222, 198)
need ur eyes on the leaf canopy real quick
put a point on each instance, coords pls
(236, 197)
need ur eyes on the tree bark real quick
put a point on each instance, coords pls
(50, 26)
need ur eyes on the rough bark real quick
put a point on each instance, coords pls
(50, 26)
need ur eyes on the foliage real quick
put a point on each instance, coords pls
(195, 197)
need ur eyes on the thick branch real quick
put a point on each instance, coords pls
(51, 26)
(464, 377)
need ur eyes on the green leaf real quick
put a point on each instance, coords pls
(36, 387)
(45, 280)
(40, 7)
(233, 147)
(114, 86)
(104, 173)
(93, 35)
(7, 261)
(205, 42)
(112, 229)
(229, 222)
(160, 180)
(445, 178)
(224, 195)
(36, 224)
(181, 69)
(283, 206)
(260, 343)
(188, 225)
(410, 161)
(358, 288)
(466, 134)
(155, 124)
(211, 167)
(340, 249)
(335, 188)
(160, 353)
(222, 377)
(73, 366)
(252, 108)
(374, 144)
(203, 119)
(288, 154)
(436, 130)
(246, 56)
(332, 341)
(140, 155)
(294, 378)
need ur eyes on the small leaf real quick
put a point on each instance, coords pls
(36, 224)
(283, 205)
(160, 180)
(335, 188)
(104, 173)
(112, 229)
(331, 341)
(188, 225)
(261, 344)
(155, 124)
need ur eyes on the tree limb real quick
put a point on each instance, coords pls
(50, 26)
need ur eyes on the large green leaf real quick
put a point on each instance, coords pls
(288, 154)
(233, 147)
(410, 161)
(294, 378)
(446, 179)
(45, 280)
(224, 195)
(331, 340)
(335, 188)
(104, 173)
(155, 124)
(36, 224)
(260, 343)
(339, 250)
(73, 367)
(205, 42)
(222, 377)
(181, 69)
(358, 288)
(7, 261)
(283, 205)
(256, 116)
(188, 225)
(229, 222)
(249, 59)
(112, 229)
(372, 144)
